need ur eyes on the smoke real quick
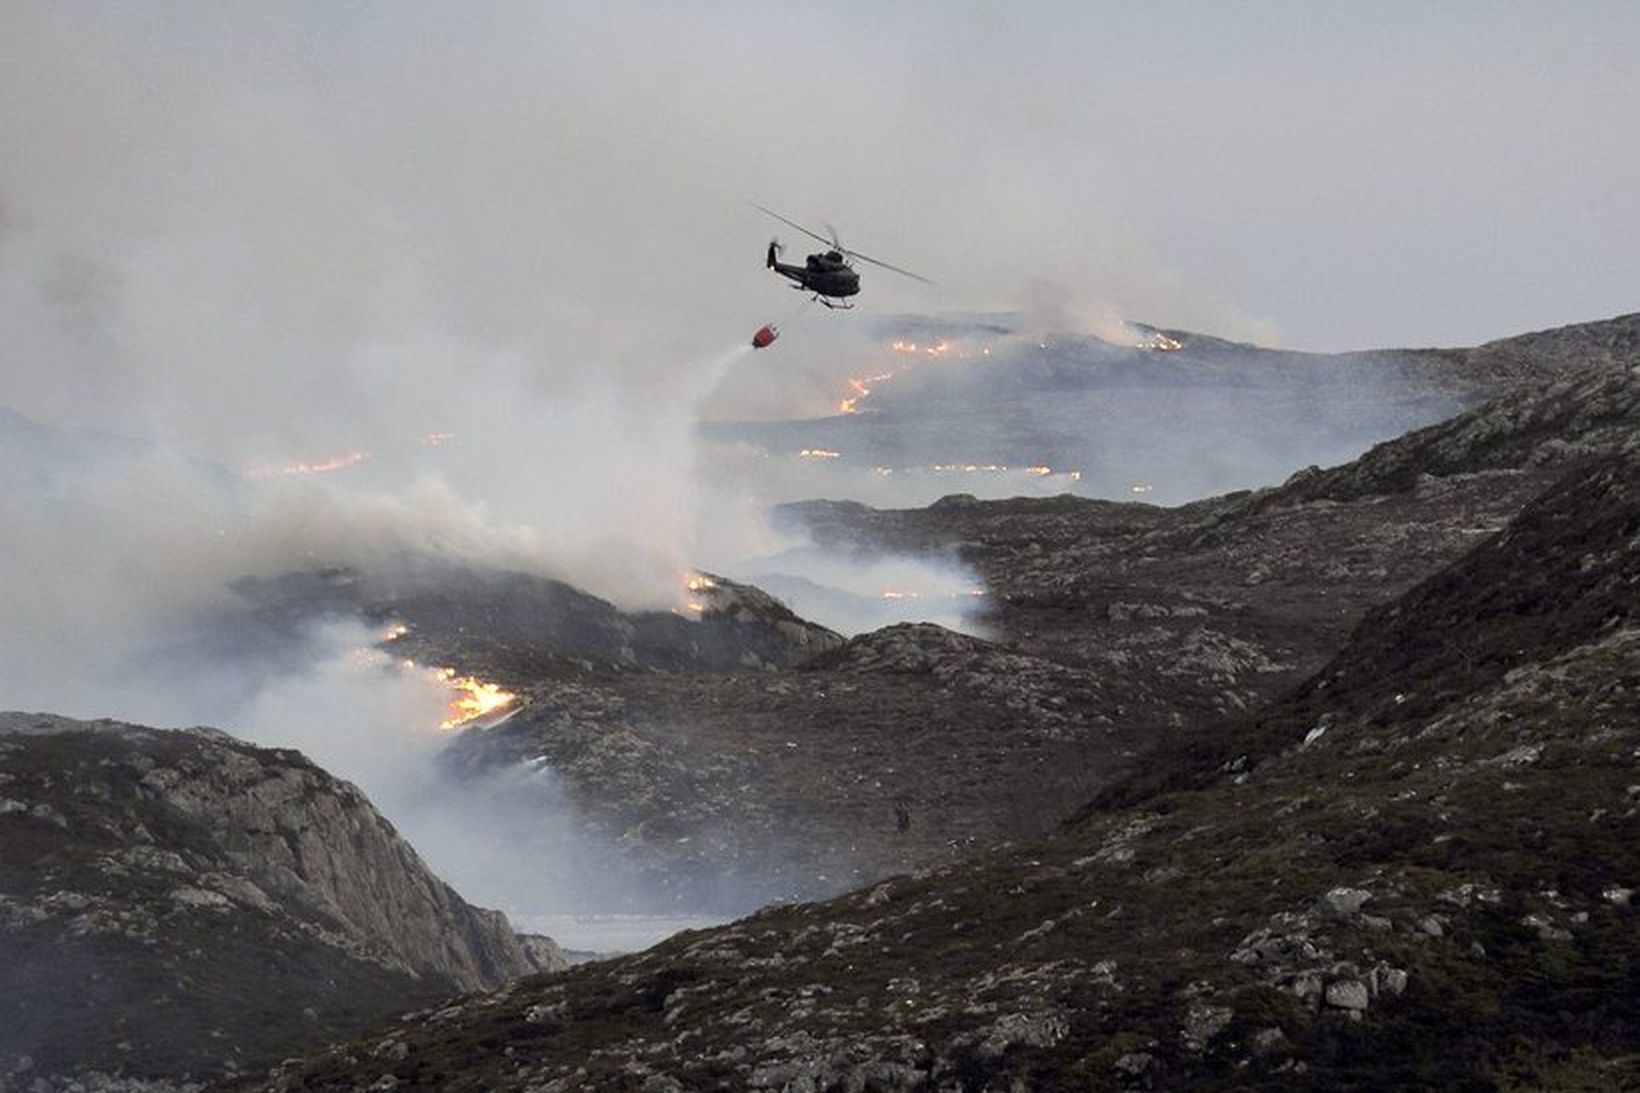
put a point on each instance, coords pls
(320, 254)
(507, 839)
(863, 591)
(236, 238)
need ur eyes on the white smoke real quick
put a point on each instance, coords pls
(857, 593)
(249, 237)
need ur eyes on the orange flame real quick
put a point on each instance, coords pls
(699, 585)
(304, 469)
(474, 698)
(1159, 341)
(819, 453)
(862, 390)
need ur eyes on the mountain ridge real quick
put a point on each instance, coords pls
(1408, 869)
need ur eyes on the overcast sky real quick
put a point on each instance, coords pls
(282, 229)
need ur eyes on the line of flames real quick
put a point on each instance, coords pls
(896, 594)
(861, 387)
(1036, 470)
(305, 469)
(474, 699)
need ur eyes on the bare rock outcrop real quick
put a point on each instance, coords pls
(180, 902)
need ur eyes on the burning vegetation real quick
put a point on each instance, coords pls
(698, 585)
(306, 469)
(861, 387)
(1155, 339)
(474, 699)
(937, 349)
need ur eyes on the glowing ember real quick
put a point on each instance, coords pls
(938, 349)
(1159, 341)
(1142, 487)
(697, 583)
(818, 453)
(302, 470)
(474, 698)
(395, 632)
(862, 390)
(969, 468)
(434, 440)
(891, 594)
(1039, 470)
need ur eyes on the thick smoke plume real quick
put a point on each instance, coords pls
(466, 283)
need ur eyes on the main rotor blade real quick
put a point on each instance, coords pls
(885, 265)
(793, 223)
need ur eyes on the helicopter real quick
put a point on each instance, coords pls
(828, 274)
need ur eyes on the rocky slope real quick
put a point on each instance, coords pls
(1116, 630)
(528, 624)
(1414, 871)
(1361, 749)
(176, 903)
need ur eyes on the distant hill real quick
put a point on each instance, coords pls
(976, 406)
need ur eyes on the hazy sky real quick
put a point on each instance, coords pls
(1329, 175)
(281, 231)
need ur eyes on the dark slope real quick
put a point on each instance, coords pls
(1415, 871)
(1415, 899)
(520, 623)
(1117, 632)
(177, 903)
(1575, 438)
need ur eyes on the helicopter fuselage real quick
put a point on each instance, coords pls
(827, 275)
(830, 274)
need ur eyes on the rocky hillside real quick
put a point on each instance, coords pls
(1359, 755)
(530, 624)
(1415, 871)
(1116, 630)
(176, 903)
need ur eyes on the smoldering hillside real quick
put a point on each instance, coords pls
(1008, 405)
(296, 289)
